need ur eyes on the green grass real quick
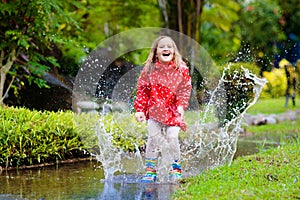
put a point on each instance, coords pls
(282, 127)
(273, 106)
(275, 132)
(270, 174)
(273, 174)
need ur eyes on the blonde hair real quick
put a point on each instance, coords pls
(152, 58)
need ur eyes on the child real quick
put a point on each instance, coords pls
(164, 88)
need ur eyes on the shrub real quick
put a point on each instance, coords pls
(34, 137)
(236, 91)
(277, 83)
(125, 133)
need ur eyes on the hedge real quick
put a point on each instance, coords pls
(33, 137)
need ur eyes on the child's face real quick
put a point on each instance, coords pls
(165, 50)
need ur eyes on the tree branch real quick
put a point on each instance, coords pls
(11, 59)
(9, 86)
(4, 70)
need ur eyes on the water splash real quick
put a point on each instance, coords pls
(113, 158)
(212, 145)
(117, 141)
(207, 145)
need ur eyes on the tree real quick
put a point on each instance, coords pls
(187, 16)
(29, 30)
(219, 34)
(102, 19)
(290, 17)
(289, 47)
(183, 16)
(260, 29)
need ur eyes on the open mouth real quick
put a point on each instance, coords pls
(166, 54)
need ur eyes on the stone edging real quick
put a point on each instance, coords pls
(262, 119)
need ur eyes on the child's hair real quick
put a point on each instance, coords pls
(152, 58)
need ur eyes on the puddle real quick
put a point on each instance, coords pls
(84, 180)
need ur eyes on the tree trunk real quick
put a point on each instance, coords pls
(180, 27)
(163, 7)
(4, 69)
(199, 9)
(183, 16)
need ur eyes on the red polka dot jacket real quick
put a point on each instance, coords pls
(161, 91)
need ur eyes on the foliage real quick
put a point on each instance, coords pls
(258, 22)
(276, 85)
(30, 29)
(34, 137)
(127, 134)
(210, 23)
(223, 28)
(290, 18)
(235, 94)
(272, 174)
(103, 19)
(86, 126)
(43, 29)
(219, 35)
(76, 47)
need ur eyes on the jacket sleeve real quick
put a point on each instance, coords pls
(184, 90)
(143, 93)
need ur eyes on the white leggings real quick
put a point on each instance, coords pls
(162, 138)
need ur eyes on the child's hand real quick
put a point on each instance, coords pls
(180, 110)
(140, 116)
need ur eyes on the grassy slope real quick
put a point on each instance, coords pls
(273, 174)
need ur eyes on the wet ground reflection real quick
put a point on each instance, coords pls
(78, 181)
(137, 191)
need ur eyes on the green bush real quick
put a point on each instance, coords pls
(126, 134)
(34, 137)
(236, 91)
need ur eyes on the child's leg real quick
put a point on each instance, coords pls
(152, 150)
(174, 150)
(172, 133)
(155, 138)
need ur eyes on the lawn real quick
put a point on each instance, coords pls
(270, 174)
(273, 106)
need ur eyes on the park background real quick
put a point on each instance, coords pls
(44, 43)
